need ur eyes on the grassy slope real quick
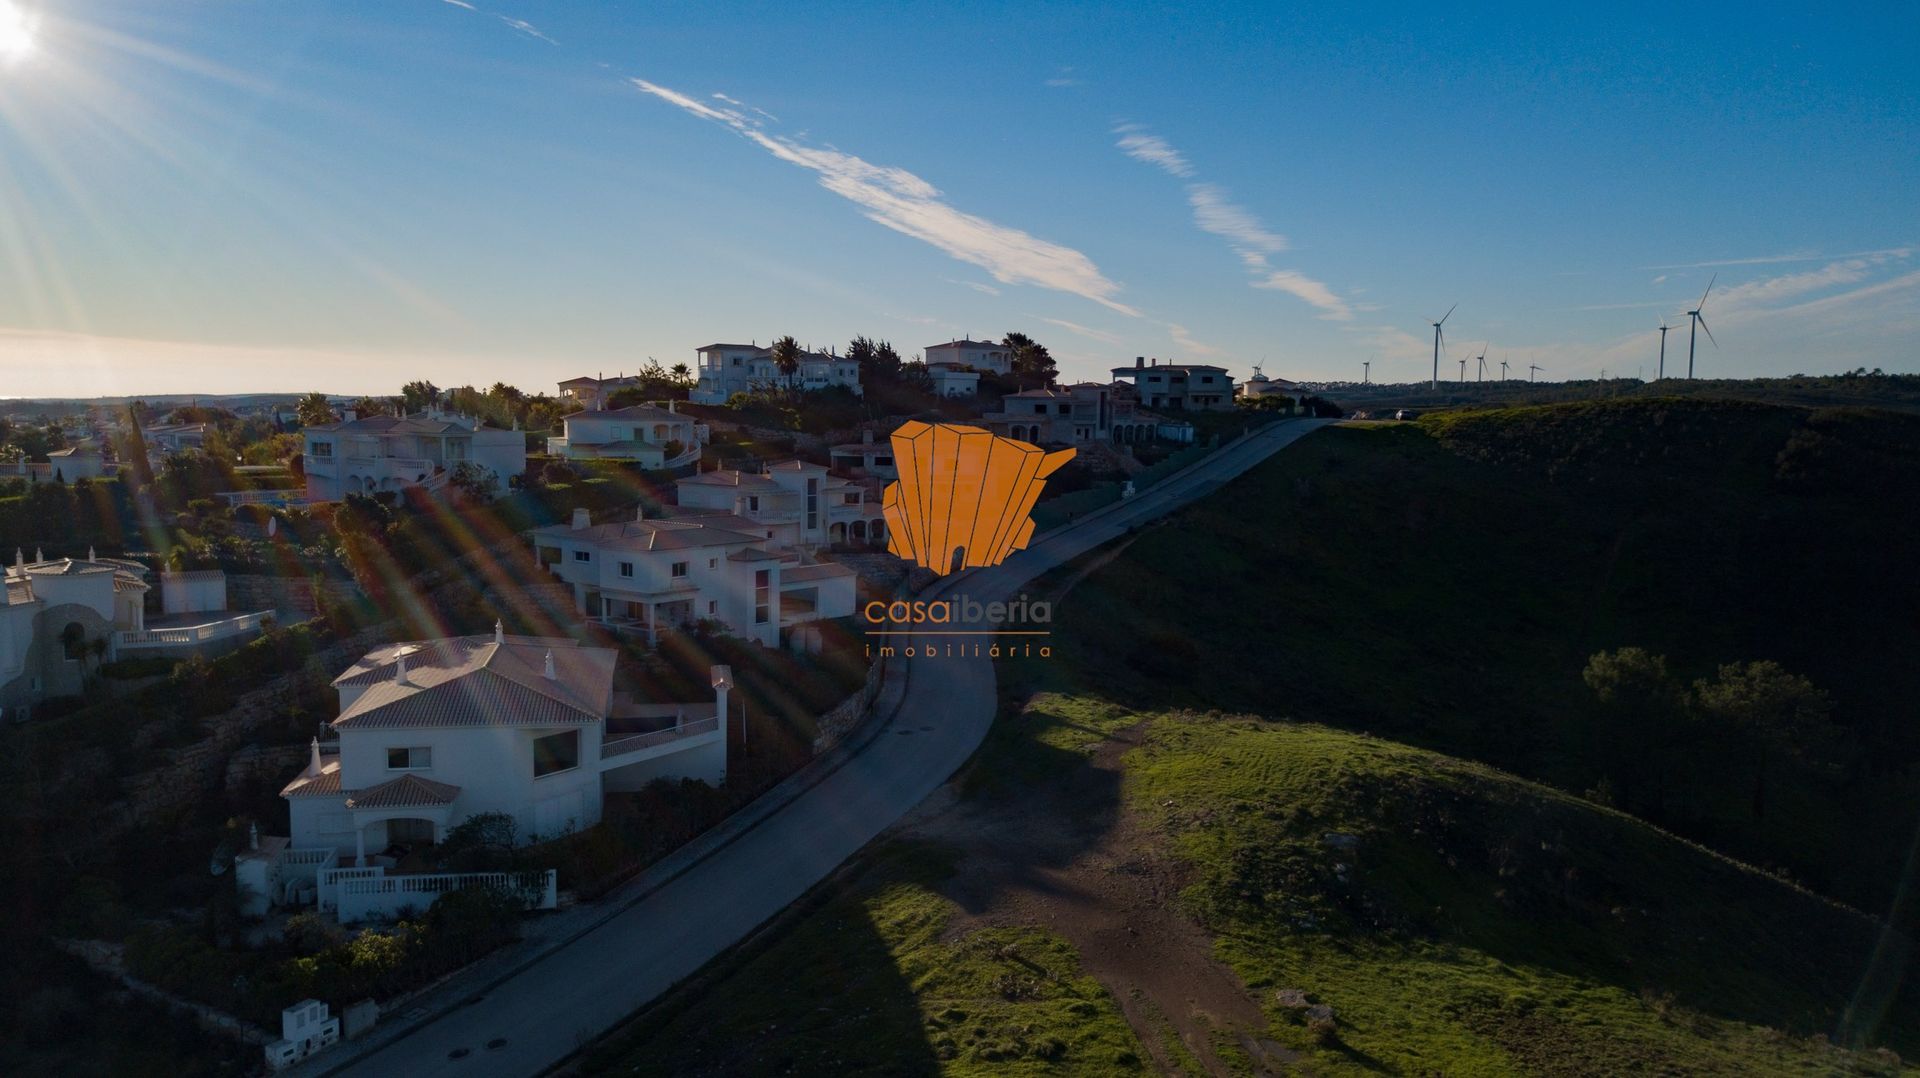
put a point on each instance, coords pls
(868, 982)
(1484, 924)
(1443, 584)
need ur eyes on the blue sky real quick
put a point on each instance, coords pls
(227, 197)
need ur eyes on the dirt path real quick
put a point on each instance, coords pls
(1068, 857)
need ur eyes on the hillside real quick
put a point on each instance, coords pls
(1445, 582)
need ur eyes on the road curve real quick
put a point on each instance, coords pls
(935, 712)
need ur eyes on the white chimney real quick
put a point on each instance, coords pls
(722, 682)
(313, 757)
(499, 632)
(90, 556)
(549, 673)
(400, 671)
(253, 836)
(581, 520)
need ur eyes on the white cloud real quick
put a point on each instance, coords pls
(1187, 344)
(1769, 290)
(985, 289)
(1798, 256)
(1214, 212)
(1310, 290)
(1064, 78)
(902, 201)
(527, 28)
(1137, 143)
(460, 3)
(1088, 332)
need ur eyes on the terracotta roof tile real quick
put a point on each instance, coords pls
(407, 791)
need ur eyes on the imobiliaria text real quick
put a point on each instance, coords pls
(958, 627)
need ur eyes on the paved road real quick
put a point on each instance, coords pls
(939, 710)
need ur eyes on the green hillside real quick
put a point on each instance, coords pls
(1461, 921)
(1445, 582)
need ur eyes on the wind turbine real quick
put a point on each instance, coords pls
(1366, 371)
(1663, 348)
(1503, 370)
(1463, 370)
(1438, 336)
(1483, 360)
(1699, 323)
(1533, 369)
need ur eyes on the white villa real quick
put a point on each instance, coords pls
(83, 460)
(646, 434)
(866, 457)
(1179, 386)
(51, 612)
(726, 369)
(590, 392)
(977, 355)
(435, 732)
(1082, 412)
(383, 452)
(796, 503)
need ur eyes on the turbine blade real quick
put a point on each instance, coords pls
(1449, 314)
(1703, 295)
(1703, 325)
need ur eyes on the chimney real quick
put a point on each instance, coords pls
(673, 407)
(313, 757)
(1139, 362)
(400, 671)
(351, 415)
(90, 556)
(499, 632)
(253, 836)
(722, 682)
(548, 672)
(581, 520)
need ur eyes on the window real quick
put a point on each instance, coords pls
(679, 569)
(883, 462)
(323, 449)
(417, 758)
(1064, 409)
(851, 499)
(753, 505)
(555, 753)
(626, 568)
(813, 503)
(762, 592)
(736, 361)
(582, 555)
(713, 563)
(713, 606)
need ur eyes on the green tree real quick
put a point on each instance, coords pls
(313, 410)
(417, 396)
(786, 357)
(1642, 729)
(135, 453)
(1031, 364)
(1778, 713)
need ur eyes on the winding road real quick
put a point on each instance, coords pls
(931, 715)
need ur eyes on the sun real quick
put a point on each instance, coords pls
(16, 33)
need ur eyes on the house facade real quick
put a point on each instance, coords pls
(593, 392)
(949, 380)
(645, 434)
(651, 575)
(868, 456)
(435, 732)
(1179, 386)
(726, 369)
(977, 355)
(383, 452)
(1083, 412)
(797, 503)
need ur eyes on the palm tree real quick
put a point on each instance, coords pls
(1028, 361)
(786, 356)
(682, 373)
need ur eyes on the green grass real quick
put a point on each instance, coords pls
(1485, 925)
(870, 981)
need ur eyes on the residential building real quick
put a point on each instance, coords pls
(595, 392)
(383, 452)
(950, 380)
(435, 732)
(975, 355)
(1082, 412)
(1179, 386)
(165, 439)
(305, 1028)
(866, 457)
(52, 611)
(645, 434)
(650, 575)
(1260, 386)
(726, 369)
(80, 461)
(797, 503)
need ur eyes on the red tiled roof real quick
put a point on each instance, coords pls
(326, 783)
(472, 681)
(407, 791)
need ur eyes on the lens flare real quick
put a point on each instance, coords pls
(16, 33)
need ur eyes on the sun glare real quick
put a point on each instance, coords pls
(16, 33)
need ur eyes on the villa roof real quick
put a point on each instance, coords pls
(193, 574)
(407, 791)
(795, 466)
(731, 477)
(965, 344)
(863, 447)
(71, 567)
(387, 424)
(326, 783)
(632, 411)
(711, 347)
(655, 534)
(1169, 367)
(753, 553)
(473, 681)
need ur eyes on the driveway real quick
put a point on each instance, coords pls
(934, 714)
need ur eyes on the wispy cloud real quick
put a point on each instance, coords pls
(902, 201)
(1141, 145)
(985, 289)
(1769, 291)
(1187, 344)
(1311, 291)
(1088, 332)
(1064, 77)
(1797, 256)
(524, 27)
(460, 3)
(1215, 213)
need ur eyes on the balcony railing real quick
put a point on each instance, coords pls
(191, 634)
(635, 742)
